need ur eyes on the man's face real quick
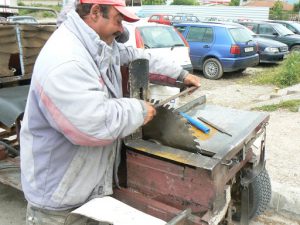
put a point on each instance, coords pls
(109, 28)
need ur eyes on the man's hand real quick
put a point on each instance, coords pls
(192, 80)
(151, 112)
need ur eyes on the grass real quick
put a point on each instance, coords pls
(39, 13)
(291, 105)
(283, 75)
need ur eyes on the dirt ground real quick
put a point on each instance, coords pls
(283, 144)
(283, 139)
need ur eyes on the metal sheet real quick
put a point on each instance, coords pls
(243, 125)
(12, 103)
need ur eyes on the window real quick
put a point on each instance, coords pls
(154, 18)
(240, 34)
(181, 29)
(208, 36)
(251, 26)
(167, 17)
(160, 37)
(200, 34)
(177, 18)
(291, 28)
(266, 29)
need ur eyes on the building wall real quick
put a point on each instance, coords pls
(205, 12)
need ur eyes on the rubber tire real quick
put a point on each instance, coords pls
(295, 48)
(260, 192)
(212, 69)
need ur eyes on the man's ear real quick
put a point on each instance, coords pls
(95, 12)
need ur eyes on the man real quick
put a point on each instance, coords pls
(75, 115)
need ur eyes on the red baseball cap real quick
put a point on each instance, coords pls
(118, 4)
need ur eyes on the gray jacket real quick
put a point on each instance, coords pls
(75, 116)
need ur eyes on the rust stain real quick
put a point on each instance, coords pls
(201, 135)
(167, 155)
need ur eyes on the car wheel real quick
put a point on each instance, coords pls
(296, 48)
(212, 69)
(260, 192)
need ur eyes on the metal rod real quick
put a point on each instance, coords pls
(190, 89)
(214, 126)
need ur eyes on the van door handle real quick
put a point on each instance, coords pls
(205, 46)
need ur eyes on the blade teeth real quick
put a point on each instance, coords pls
(156, 102)
(170, 108)
(152, 100)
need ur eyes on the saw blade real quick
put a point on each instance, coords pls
(169, 128)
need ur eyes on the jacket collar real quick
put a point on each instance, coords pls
(100, 52)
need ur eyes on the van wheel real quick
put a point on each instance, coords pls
(212, 69)
(260, 192)
(296, 48)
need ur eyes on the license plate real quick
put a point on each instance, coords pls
(249, 49)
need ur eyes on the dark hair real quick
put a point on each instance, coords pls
(84, 9)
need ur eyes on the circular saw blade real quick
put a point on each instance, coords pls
(169, 128)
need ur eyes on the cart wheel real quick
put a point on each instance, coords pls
(260, 192)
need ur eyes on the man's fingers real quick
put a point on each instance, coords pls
(151, 112)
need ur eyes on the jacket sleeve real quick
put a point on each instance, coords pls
(75, 103)
(161, 69)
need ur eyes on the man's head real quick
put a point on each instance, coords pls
(105, 17)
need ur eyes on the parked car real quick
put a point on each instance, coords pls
(270, 51)
(274, 31)
(22, 19)
(218, 48)
(159, 39)
(291, 25)
(184, 18)
(161, 18)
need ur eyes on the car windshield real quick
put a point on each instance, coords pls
(282, 30)
(160, 37)
(240, 34)
(296, 25)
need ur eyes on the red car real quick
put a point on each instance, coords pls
(161, 18)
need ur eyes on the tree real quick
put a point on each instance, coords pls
(185, 2)
(154, 2)
(277, 10)
(234, 3)
(296, 7)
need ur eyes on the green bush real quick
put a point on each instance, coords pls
(289, 73)
(283, 75)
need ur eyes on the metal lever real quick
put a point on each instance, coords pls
(190, 89)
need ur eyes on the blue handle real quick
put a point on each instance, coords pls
(196, 123)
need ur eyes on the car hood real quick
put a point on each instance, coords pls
(268, 42)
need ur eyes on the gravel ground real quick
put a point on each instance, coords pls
(283, 139)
